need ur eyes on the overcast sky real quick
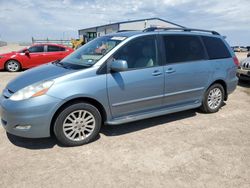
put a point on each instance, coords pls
(22, 19)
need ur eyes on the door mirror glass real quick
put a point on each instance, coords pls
(119, 65)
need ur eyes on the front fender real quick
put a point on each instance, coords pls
(88, 87)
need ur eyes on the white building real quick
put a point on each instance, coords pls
(93, 32)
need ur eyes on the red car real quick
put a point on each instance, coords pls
(33, 56)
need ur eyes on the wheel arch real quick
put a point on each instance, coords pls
(14, 60)
(224, 85)
(92, 101)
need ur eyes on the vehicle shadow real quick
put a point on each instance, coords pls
(107, 130)
(116, 130)
(36, 143)
(32, 143)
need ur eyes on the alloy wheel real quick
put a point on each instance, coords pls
(79, 125)
(214, 98)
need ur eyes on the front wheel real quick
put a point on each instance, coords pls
(77, 124)
(213, 99)
(12, 66)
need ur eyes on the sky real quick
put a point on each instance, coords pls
(56, 19)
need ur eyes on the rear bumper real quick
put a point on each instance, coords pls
(232, 84)
(35, 113)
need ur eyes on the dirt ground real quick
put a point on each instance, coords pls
(186, 149)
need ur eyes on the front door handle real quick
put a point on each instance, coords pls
(156, 73)
(170, 70)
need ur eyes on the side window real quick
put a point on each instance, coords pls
(55, 48)
(181, 48)
(216, 48)
(35, 49)
(139, 53)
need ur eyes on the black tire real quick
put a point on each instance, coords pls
(205, 107)
(12, 66)
(61, 119)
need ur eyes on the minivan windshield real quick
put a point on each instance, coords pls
(90, 53)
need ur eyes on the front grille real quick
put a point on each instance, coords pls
(10, 91)
(246, 65)
(7, 93)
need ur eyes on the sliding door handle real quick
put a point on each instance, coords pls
(156, 73)
(170, 70)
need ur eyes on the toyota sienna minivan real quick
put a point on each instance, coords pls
(120, 78)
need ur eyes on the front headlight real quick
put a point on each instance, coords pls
(33, 90)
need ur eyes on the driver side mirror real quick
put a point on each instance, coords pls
(119, 66)
(26, 52)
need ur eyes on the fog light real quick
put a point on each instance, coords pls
(23, 127)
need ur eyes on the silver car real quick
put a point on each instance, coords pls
(120, 78)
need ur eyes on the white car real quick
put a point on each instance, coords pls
(240, 49)
(244, 69)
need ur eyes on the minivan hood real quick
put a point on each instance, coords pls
(42, 73)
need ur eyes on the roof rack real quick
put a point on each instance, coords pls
(125, 31)
(179, 29)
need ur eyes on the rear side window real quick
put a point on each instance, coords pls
(55, 48)
(182, 48)
(216, 48)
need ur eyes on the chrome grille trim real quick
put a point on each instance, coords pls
(7, 93)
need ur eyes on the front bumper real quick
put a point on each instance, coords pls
(35, 113)
(243, 74)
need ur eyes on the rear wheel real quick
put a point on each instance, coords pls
(78, 124)
(213, 99)
(12, 66)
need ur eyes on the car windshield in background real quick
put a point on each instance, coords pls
(91, 52)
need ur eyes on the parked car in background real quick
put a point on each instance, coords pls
(33, 56)
(239, 49)
(135, 75)
(2, 43)
(244, 69)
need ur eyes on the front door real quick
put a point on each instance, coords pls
(140, 88)
(35, 57)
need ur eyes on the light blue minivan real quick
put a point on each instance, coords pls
(120, 78)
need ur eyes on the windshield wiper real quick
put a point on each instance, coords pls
(57, 62)
(61, 64)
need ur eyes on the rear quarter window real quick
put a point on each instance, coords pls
(216, 48)
(183, 48)
(55, 48)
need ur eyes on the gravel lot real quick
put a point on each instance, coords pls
(186, 149)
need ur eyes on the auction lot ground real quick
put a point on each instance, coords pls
(187, 149)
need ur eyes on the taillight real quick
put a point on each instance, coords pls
(236, 61)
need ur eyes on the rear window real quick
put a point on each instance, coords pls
(216, 48)
(182, 48)
(55, 48)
